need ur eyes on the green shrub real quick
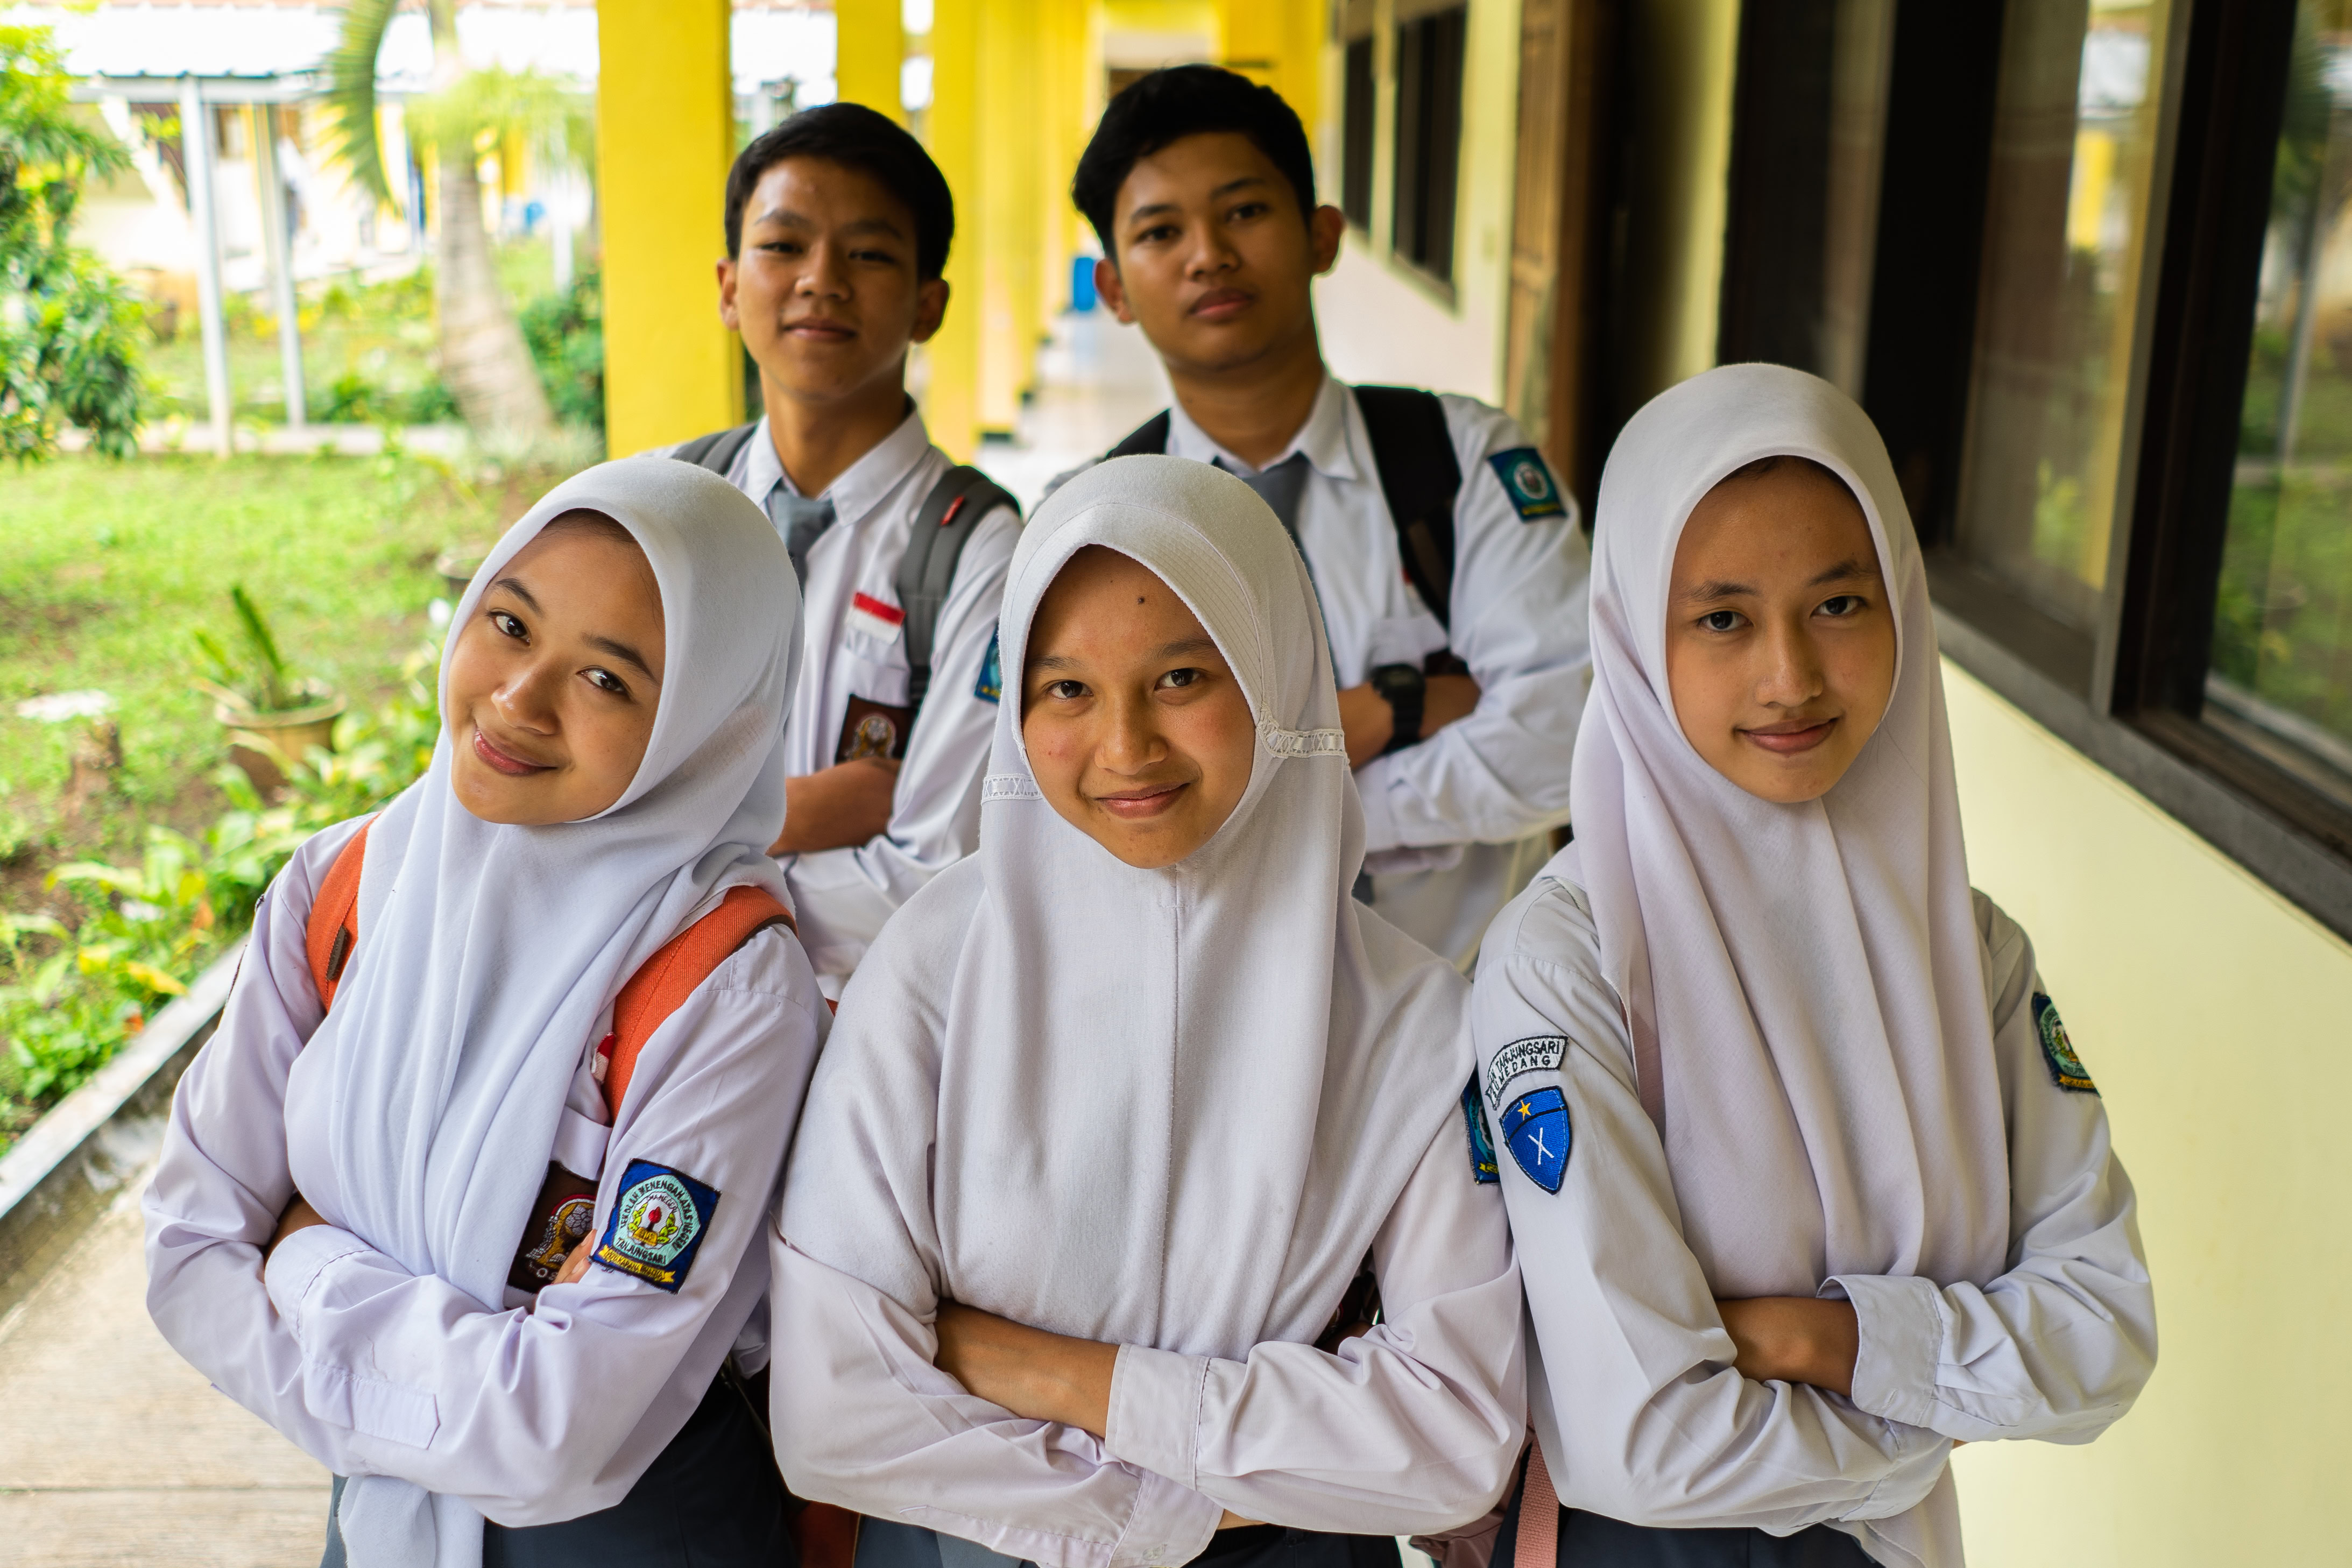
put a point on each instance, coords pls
(565, 330)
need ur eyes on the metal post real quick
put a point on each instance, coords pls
(279, 230)
(196, 157)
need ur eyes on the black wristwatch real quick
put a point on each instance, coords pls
(1403, 687)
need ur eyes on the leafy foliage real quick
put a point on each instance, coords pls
(71, 997)
(351, 92)
(565, 330)
(260, 682)
(70, 329)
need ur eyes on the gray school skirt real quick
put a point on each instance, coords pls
(711, 1500)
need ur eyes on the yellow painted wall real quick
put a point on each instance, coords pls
(868, 48)
(2218, 1021)
(668, 113)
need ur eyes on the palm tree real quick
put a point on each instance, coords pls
(484, 361)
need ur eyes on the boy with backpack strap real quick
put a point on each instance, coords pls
(837, 230)
(1447, 559)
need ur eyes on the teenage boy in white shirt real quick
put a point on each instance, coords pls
(837, 231)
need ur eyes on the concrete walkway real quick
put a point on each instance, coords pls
(113, 1451)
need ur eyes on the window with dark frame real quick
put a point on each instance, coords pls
(1429, 61)
(1358, 115)
(2103, 315)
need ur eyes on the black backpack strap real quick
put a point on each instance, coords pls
(943, 525)
(1152, 436)
(718, 450)
(1420, 477)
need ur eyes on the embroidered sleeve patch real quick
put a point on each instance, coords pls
(1534, 1126)
(656, 1225)
(1526, 479)
(1483, 1168)
(989, 687)
(1539, 1053)
(2066, 1069)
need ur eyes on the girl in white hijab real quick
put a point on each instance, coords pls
(351, 1220)
(1807, 1183)
(1117, 1111)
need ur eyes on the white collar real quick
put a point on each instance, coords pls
(1325, 439)
(861, 486)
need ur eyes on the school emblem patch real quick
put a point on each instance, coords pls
(1483, 1168)
(1537, 1053)
(1526, 479)
(989, 687)
(1534, 1126)
(2066, 1069)
(658, 1225)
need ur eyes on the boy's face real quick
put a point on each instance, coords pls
(1213, 257)
(824, 291)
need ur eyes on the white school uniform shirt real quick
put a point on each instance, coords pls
(1633, 1394)
(1455, 826)
(1171, 1109)
(843, 896)
(530, 1415)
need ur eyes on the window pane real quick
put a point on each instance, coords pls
(1429, 138)
(1358, 108)
(2282, 675)
(2065, 240)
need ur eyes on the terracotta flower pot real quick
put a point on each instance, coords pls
(265, 744)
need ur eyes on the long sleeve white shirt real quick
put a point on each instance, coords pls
(1412, 1428)
(1454, 825)
(529, 1414)
(843, 896)
(1641, 1412)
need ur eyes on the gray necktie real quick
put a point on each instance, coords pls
(1280, 486)
(801, 521)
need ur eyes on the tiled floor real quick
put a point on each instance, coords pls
(115, 1451)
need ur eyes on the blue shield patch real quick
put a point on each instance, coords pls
(1535, 1127)
(658, 1225)
(1483, 1168)
(1527, 481)
(989, 687)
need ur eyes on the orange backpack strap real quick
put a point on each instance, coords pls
(667, 978)
(334, 929)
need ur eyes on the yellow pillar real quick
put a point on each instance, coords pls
(666, 135)
(951, 399)
(869, 49)
(1009, 125)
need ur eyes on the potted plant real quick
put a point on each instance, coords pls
(272, 719)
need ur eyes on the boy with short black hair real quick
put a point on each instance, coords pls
(838, 226)
(1448, 560)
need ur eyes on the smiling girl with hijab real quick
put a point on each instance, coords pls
(1807, 1183)
(351, 1218)
(1117, 1111)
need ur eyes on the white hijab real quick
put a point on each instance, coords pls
(487, 953)
(1172, 1107)
(1804, 984)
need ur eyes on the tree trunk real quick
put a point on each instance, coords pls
(484, 361)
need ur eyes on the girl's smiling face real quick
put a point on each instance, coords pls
(1137, 733)
(1779, 639)
(554, 681)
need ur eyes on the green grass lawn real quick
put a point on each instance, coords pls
(106, 569)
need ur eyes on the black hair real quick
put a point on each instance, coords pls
(1763, 466)
(859, 138)
(1165, 106)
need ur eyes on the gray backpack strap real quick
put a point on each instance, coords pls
(718, 450)
(1152, 436)
(943, 526)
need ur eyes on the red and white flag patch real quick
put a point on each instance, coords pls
(875, 618)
